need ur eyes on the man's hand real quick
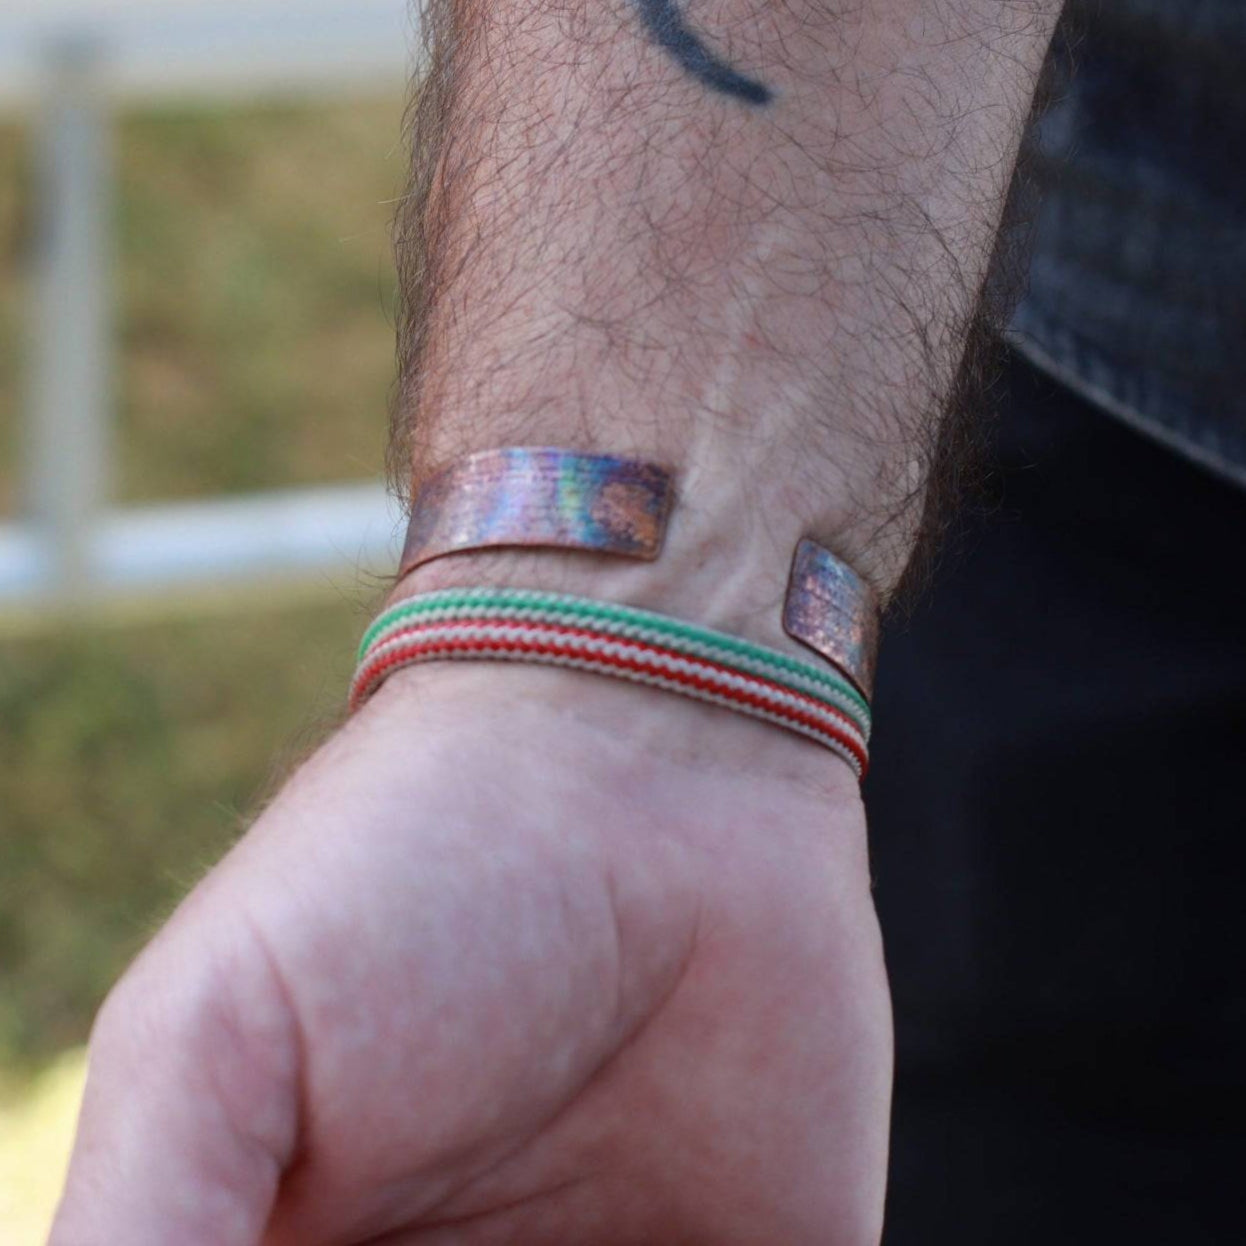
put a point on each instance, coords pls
(520, 956)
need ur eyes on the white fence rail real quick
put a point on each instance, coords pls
(67, 64)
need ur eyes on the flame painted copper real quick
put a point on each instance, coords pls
(540, 496)
(830, 608)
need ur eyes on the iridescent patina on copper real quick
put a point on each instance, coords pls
(540, 496)
(830, 608)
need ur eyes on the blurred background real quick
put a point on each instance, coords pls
(196, 355)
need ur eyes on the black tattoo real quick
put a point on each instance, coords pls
(666, 27)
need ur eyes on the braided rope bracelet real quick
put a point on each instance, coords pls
(622, 641)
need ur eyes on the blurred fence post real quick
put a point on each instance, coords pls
(69, 541)
(69, 441)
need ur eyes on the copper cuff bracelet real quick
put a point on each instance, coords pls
(541, 496)
(830, 608)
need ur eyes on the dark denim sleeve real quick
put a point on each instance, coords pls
(1137, 290)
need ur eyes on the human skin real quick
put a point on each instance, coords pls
(524, 955)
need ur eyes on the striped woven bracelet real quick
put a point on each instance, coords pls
(519, 625)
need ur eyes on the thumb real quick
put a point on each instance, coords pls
(190, 1112)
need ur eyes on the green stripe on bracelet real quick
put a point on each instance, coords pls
(613, 617)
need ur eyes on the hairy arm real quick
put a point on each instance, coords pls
(526, 956)
(745, 238)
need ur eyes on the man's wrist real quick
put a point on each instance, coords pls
(724, 562)
(703, 577)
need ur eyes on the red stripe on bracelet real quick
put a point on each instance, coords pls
(370, 671)
(642, 646)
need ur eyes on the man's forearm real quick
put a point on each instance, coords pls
(743, 238)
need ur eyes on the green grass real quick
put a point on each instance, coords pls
(254, 296)
(130, 757)
(253, 318)
(258, 295)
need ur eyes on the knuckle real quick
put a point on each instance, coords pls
(127, 1020)
(161, 1004)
